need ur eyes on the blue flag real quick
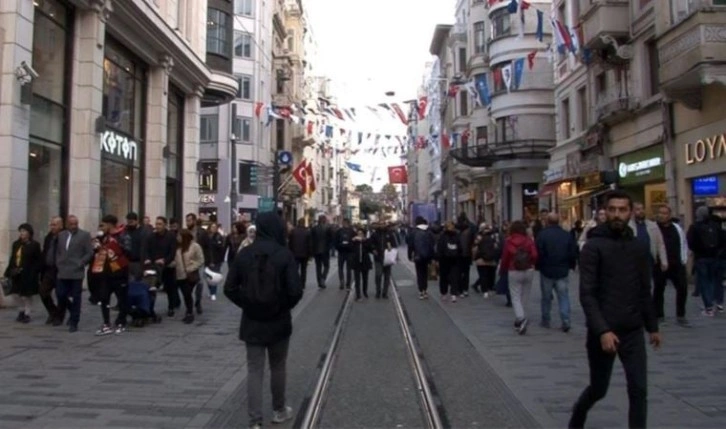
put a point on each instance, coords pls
(540, 28)
(512, 7)
(355, 167)
(482, 86)
(329, 131)
(518, 72)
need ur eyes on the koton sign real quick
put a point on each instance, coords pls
(118, 145)
(709, 148)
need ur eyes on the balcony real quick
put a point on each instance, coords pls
(531, 80)
(692, 53)
(614, 106)
(604, 18)
(487, 155)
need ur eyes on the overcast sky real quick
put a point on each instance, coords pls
(370, 47)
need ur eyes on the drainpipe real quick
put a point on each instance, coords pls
(670, 159)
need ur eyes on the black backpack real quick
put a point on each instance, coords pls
(423, 245)
(262, 292)
(522, 260)
(709, 234)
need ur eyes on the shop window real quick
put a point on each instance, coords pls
(219, 25)
(480, 43)
(504, 130)
(242, 45)
(601, 85)
(175, 158)
(653, 65)
(244, 7)
(481, 136)
(45, 167)
(209, 128)
(499, 85)
(208, 179)
(584, 109)
(501, 22)
(123, 90)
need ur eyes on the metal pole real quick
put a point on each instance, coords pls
(233, 166)
(276, 179)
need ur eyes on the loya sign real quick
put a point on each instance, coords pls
(709, 148)
(116, 144)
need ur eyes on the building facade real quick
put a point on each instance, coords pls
(99, 119)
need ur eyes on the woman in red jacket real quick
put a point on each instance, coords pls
(518, 261)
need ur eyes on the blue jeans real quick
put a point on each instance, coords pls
(707, 280)
(563, 298)
(68, 293)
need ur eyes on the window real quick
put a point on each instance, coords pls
(208, 177)
(601, 85)
(462, 60)
(565, 118)
(209, 128)
(280, 84)
(290, 40)
(243, 7)
(463, 103)
(502, 134)
(653, 66)
(219, 25)
(582, 100)
(242, 45)
(244, 84)
(481, 136)
(480, 42)
(280, 134)
(246, 130)
(501, 23)
(499, 84)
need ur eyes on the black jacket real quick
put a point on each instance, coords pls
(379, 241)
(322, 239)
(301, 243)
(615, 282)
(215, 252)
(695, 242)
(360, 256)
(344, 239)
(466, 235)
(137, 237)
(270, 240)
(448, 248)
(556, 252)
(50, 244)
(161, 246)
(26, 276)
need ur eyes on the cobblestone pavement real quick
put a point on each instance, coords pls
(547, 369)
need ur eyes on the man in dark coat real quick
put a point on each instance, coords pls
(382, 238)
(301, 245)
(344, 245)
(615, 295)
(49, 274)
(73, 253)
(266, 333)
(160, 252)
(322, 236)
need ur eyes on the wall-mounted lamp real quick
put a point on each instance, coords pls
(25, 74)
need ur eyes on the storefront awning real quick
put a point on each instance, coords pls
(587, 194)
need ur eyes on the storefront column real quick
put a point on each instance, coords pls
(84, 199)
(192, 107)
(156, 138)
(16, 18)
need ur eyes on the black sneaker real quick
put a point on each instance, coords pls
(199, 309)
(21, 316)
(26, 319)
(522, 329)
(188, 319)
(565, 328)
(73, 328)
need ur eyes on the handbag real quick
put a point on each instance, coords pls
(390, 256)
(192, 277)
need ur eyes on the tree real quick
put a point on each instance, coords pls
(390, 194)
(364, 189)
(368, 207)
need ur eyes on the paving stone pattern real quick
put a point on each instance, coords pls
(547, 369)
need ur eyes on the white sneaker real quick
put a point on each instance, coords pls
(282, 416)
(453, 298)
(486, 295)
(214, 297)
(120, 329)
(104, 330)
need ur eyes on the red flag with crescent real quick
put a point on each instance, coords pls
(258, 108)
(397, 175)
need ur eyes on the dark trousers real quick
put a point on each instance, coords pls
(344, 270)
(187, 290)
(677, 275)
(422, 275)
(322, 267)
(361, 282)
(119, 288)
(168, 278)
(487, 277)
(46, 292)
(464, 274)
(631, 352)
(449, 277)
(382, 278)
(68, 293)
(277, 356)
(302, 266)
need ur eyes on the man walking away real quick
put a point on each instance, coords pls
(344, 245)
(677, 256)
(615, 295)
(518, 261)
(202, 239)
(421, 253)
(301, 245)
(160, 252)
(322, 237)
(486, 255)
(73, 253)
(449, 253)
(264, 283)
(707, 240)
(49, 274)
(466, 235)
(383, 238)
(556, 256)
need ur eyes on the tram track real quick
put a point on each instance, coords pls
(313, 406)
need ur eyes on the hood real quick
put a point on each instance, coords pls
(270, 226)
(423, 227)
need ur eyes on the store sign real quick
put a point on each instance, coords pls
(553, 175)
(703, 186)
(709, 148)
(115, 144)
(207, 199)
(641, 166)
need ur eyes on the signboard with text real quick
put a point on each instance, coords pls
(642, 166)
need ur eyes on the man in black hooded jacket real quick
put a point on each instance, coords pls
(615, 295)
(266, 333)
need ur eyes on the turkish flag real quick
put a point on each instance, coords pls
(300, 175)
(310, 128)
(422, 103)
(398, 175)
(258, 108)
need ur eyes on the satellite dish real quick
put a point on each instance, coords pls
(625, 52)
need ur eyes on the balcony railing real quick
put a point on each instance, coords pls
(486, 155)
(530, 80)
(613, 105)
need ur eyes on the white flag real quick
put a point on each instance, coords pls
(507, 76)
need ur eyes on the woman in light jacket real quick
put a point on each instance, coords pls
(188, 260)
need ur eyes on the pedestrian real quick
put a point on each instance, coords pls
(24, 267)
(383, 238)
(466, 235)
(202, 238)
(599, 219)
(249, 237)
(233, 241)
(361, 263)
(264, 283)
(216, 256)
(647, 231)
(73, 253)
(188, 259)
(519, 258)
(707, 241)
(676, 248)
(160, 249)
(556, 256)
(343, 243)
(486, 253)
(49, 272)
(422, 253)
(449, 252)
(615, 296)
(301, 246)
(322, 236)
(112, 264)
